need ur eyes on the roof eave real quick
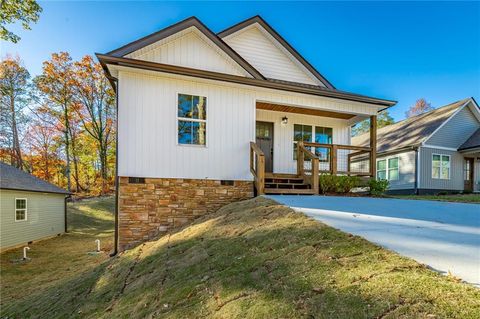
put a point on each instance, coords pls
(173, 69)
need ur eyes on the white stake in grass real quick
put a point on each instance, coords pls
(97, 241)
(25, 252)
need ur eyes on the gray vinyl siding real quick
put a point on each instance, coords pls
(406, 163)
(455, 183)
(456, 131)
(45, 217)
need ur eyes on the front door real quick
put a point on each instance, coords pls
(468, 174)
(264, 140)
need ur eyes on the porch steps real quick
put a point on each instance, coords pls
(286, 184)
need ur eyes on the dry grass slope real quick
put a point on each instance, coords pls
(253, 259)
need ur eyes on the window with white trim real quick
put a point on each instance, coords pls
(440, 166)
(388, 169)
(192, 119)
(20, 209)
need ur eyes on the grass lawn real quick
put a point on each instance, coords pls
(462, 198)
(252, 259)
(56, 261)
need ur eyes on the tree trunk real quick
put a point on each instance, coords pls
(16, 144)
(67, 148)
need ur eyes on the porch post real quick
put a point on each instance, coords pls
(373, 146)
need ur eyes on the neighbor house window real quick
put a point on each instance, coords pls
(440, 166)
(20, 209)
(192, 119)
(305, 133)
(467, 170)
(388, 169)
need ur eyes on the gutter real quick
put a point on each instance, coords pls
(115, 238)
(210, 75)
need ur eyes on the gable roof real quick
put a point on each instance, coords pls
(412, 131)
(15, 179)
(472, 142)
(257, 19)
(177, 27)
(119, 57)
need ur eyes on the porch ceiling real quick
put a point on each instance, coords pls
(302, 110)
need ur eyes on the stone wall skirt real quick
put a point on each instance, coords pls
(153, 205)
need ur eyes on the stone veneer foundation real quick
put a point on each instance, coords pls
(153, 205)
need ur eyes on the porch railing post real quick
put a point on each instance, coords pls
(261, 175)
(315, 174)
(334, 159)
(373, 146)
(300, 159)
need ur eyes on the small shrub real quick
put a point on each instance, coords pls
(346, 183)
(338, 184)
(326, 183)
(379, 187)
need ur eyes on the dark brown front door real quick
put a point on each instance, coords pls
(264, 132)
(468, 174)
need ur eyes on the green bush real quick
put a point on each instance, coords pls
(377, 187)
(339, 184)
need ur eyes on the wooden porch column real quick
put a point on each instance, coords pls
(373, 146)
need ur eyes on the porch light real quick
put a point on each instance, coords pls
(285, 120)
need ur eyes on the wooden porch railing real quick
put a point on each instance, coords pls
(309, 175)
(257, 167)
(350, 152)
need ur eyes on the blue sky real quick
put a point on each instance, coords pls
(395, 50)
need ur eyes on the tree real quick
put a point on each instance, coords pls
(41, 139)
(96, 100)
(421, 106)
(383, 119)
(23, 11)
(56, 85)
(14, 88)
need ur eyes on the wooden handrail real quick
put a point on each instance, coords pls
(257, 167)
(338, 146)
(303, 152)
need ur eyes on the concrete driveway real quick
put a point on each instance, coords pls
(445, 236)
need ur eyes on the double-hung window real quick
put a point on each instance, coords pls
(301, 133)
(305, 133)
(192, 119)
(20, 209)
(388, 169)
(440, 166)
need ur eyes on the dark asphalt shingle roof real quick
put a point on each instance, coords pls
(473, 141)
(409, 132)
(13, 178)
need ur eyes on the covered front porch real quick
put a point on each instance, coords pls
(295, 144)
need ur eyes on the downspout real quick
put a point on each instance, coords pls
(65, 212)
(416, 171)
(115, 239)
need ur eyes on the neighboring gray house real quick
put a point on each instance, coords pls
(433, 152)
(30, 208)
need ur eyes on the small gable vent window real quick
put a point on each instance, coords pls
(192, 119)
(20, 209)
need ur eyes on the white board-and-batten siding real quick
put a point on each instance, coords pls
(147, 131)
(190, 48)
(45, 217)
(266, 55)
